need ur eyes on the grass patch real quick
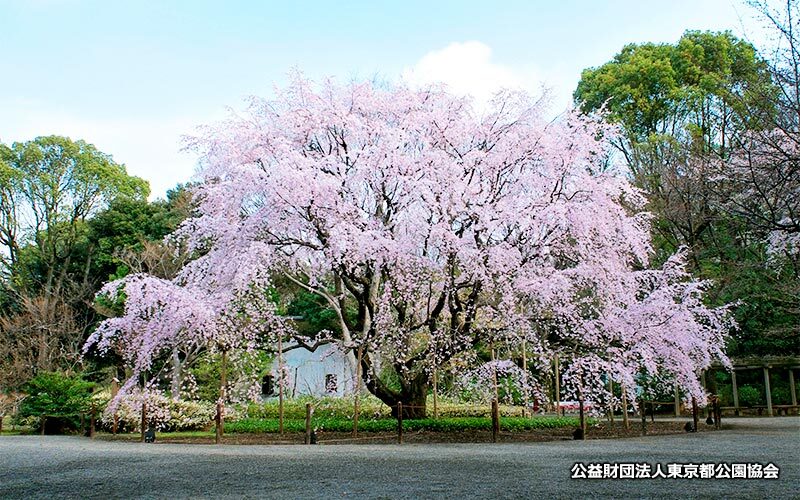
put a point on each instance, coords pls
(16, 432)
(370, 408)
(455, 424)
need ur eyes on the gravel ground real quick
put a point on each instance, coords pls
(73, 467)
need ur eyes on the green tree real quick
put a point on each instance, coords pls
(684, 110)
(50, 189)
(127, 226)
(56, 183)
(59, 397)
(691, 91)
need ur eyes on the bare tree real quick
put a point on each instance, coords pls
(43, 336)
(763, 173)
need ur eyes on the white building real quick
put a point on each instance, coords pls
(324, 372)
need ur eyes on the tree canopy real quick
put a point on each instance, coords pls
(445, 230)
(695, 116)
(69, 218)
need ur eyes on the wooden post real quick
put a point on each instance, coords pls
(399, 423)
(643, 412)
(435, 393)
(44, 422)
(558, 388)
(218, 424)
(435, 380)
(357, 391)
(495, 420)
(494, 375)
(705, 388)
(309, 410)
(767, 391)
(611, 401)
(223, 381)
(695, 414)
(653, 411)
(735, 392)
(144, 417)
(280, 384)
(677, 402)
(92, 421)
(581, 412)
(792, 387)
(114, 392)
(525, 393)
(625, 408)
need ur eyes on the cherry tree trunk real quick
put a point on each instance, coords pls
(413, 395)
(175, 376)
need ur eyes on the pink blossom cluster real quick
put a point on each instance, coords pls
(443, 227)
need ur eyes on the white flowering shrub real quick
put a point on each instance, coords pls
(163, 413)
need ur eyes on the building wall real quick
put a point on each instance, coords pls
(308, 372)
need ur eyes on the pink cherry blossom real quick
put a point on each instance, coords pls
(444, 228)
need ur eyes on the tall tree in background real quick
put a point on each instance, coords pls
(51, 187)
(763, 171)
(56, 185)
(676, 104)
(685, 110)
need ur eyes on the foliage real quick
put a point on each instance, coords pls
(750, 396)
(51, 189)
(781, 395)
(404, 207)
(327, 407)
(371, 408)
(127, 223)
(452, 424)
(42, 334)
(675, 89)
(57, 396)
(315, 313)
(762, 178)
(478, 385)
(245, 373)
(163, 413)
(206, 373)
(55, 185)
(700, 133)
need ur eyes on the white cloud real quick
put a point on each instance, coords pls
(467, 68)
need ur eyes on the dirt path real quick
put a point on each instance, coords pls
(71, 467)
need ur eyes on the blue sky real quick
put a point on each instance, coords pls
(132, 77)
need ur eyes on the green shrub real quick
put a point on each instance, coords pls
(370, 408)
(781, 396)
(61, 398)
(725, 394)
(750, 396)
(459, 424)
